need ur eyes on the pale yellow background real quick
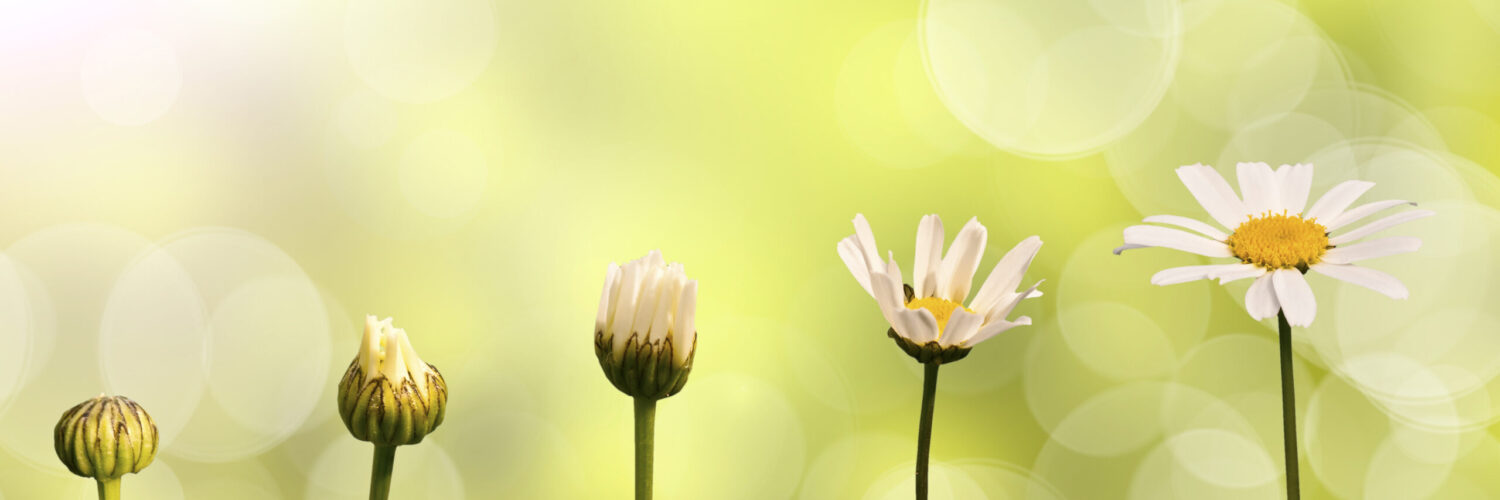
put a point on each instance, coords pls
(203, 198)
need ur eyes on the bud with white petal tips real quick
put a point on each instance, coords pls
(105, 438)
(389, 396)
(645, 339)
(644, 334)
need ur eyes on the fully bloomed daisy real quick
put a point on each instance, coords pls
(930, 316)
(1276, 238)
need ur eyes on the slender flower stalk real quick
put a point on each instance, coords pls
(104, 438)
(645, 443)
(927, 318)
(645, 339)
(1288, 408)
(1277, 243)
(390, 397)
(924, 426)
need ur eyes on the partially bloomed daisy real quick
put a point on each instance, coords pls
(928, 316)
(1276, 238)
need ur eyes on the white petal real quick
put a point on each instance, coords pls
(1294, 181)
(994, 328)
(1379, 225)
(1122, 248)
(625, 303)
(1295, 296)
(1006, 275)
(1236, 272)
(1186, 223)
(888, 295)
(916, 325)
(962, 325)
(866, 240)
(1214, 194)
(1355, 214)
(653, 259)
(685, 331)
(1258, 187)
(1261, 301)
(1382, 247)
(671, 292)
(1333, 203)
(651, 293)
(1184, 274)
(957, 272)
(893, 270)
(1365, 277)
(929, 254)
(611, 287)
(1158, 236)
(1008, 303)
(854, 259)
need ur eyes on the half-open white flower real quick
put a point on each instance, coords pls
(644, 334)
(931, 311)
(389, 396)
(1275, 240)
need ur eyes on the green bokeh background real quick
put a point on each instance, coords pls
(248, 180)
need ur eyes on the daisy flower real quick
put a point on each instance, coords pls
(1276, 238)
(929, 313)
(1277, 242)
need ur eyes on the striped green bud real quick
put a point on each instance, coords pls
(389, 396)
(105, 438)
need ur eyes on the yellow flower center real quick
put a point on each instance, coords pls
(1279, 241)
(942, 309)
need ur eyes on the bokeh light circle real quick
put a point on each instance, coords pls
(945, 482)
(425, 472)
(151, 340)
(266, 354)
(1049, 79)
(157, 482)
(66, 271)
(1223, 458)
(886, 106)
(1117, 340)
(15, 329)
(846, 468)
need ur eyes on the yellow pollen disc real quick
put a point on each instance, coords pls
(942, 309)
(1279, 241)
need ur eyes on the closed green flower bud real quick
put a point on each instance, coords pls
(644, 334)
(389, 396)
(106, 437)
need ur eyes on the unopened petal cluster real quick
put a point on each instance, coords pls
(389, 396)
(644, 334)
(928, 319)
(106, 437)
(1277, 238)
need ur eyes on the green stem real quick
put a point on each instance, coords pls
(645, 430)
(924, 428)
(1288, 410)
(380, 473)
(109, 489)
